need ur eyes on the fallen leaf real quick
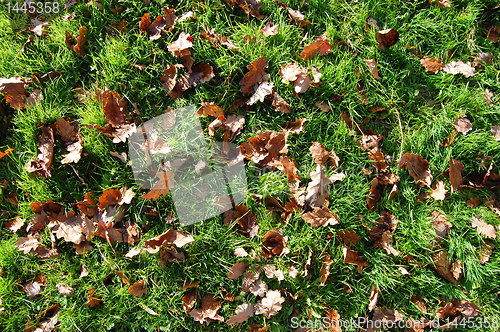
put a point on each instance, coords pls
(93, 301)
(485, 252)
(178, 238)
(417, 167)
(455, 174)
(14, 91)
(483, 228)
(317, 192)
(488, 97)
(271, 272)
(253, 284)
(297, 17)
(250, 7)
(14, 225)
(210, 109)
(432, 65)
(208, 311)
(78, 46)
(372, 66)
(438, 190)
(349, 237)
(443, 266)
(261, 92)
(274, 244)
(42, 163)
(455, 308)
(32, 289)
(295, 126)
(242, 313)
(459, 67)
(280, 104)
(373, 298)
(441, 3)
(181, 46)
(492, 33)
(217, 40)
(325, 268)
(266, 147)
(321, 216)
(319, 46)
(189, 299)
(441, 225)
(270, 305)
(256, 74)
(244, 217)
(495, 130)
(387, 38)
(237, 270)
(240, 252)
(269, 30)
(381, 234)
(64, 289)
(462, 125)
(137, 289)
(352, 257)
(319, 153)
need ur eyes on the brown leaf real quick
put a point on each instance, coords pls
(387, 38)
(438, 190)
(485, 251)
(265, 148)
(270, 305)
(5, 153)
(269, 30)
(372, 66)
(319, 153)
(208, 311)
(318, 191)
(180, 47)
(431, 65)
(160, 24)
(492, 33)
(441, 3)
(280, 104)
(456, 308)
(441, 225)
(373, 298)
(210, 109)
(252, 283)
(352, 257)
(137, 289)
(459, 67)
(115, 108)
(256, 74)
(77, 47)
(42, 163)
(374, 195)
(274, 244)
(325, 268)
(32, 289)
(245, 218)
(417, 167)
(381, 234)
(349, 237)
(295, 126)
(455, 174)
(443, 266)
(463, 125)
(288, 166)
(486, 230)
(297, 17)
(261, 92)
(93, 301)
(14, 225)
(488, 97)
(64, 289)
(169, 78)
(419, 302)
(189, 299)
(237, 270)
(217, 40)
(319, 46)
(242, 313)
(178, 238)
(250, 7)
(321, 216)
(14, 90)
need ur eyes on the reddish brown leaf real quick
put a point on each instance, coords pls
(321, 216)
(274, 244)
(42, 163)
(463, 125)
(387, 38)
(210, 109)
(374, 195)
(492, 33)
(456, 308)
(444, 267)
(352, 257)
(432, 65)
(78, 47)
(255, 75)
(417, 167)
(455, 174)
(137, 289)
(245, 218)
(441, 3)
(441, 225)
(325, 268)
(250, 7)
(14, 90)
(178, 238)
(265, 148)
(189, 299)
(319, 46)
(381, 234)
(372, 66)
(217, 40)
(93, 301)
(349, 237)
(208, 311)
(115, 107)
(237, 270)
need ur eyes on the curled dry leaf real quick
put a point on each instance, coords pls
(237, 270)
(242, 313)
(42, 163)
(245, 218)
(274, 244)
(269, 30)
(441, 3)
(352, 257)
(270, 305)
(181, 46)
(459, 67)
(208, 311)
(381, 234)
(349, 237)
(265, 148)
(295, 126)
(325, 268)
(261, 92)
(250, 7)
(210, 109)
(462, 125)
(78, 47)
(217, 40)
(172, 236)
(137, 289)
(455, 174)
(445, 268)
(438, 190)
(483, 228)
(297, 17)
(93, 301)
(253, 284)
(373, 298)
(32, 289)
(485, 251)
(318, 192)
(387, 38)
(189, 299)
(372, 66)
(492, 33)
(319, 46)
(417, 167)
(256, 74)
(457, 308)
(441, 225)
(14, 91)
(240, 252)
(160, 24)
(431, 65)
(321, 216)
(495, 130)
(280, 104)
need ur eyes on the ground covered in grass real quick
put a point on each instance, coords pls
(411, 123)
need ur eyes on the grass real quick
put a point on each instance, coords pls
(421, 108)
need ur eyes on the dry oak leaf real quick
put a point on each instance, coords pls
(232, 125)
(485, 251)
(441, 3)
(77, 47)
(431, 65)
(115, 108)
(261, 92)
(387, 38)
(250, 7)
(271, 272)
(297, 17)
(242, 313)
(42, 163)
(14, 90)
(456, 308)
(217, 39)
(441, 225)
(492, 33)
(438, 190)
(381, 234)
(180, 47)
(253, 284)
(318, 192)
(462, 125)
(349, 237)
(93, 301)
(444, 267)
(5, 153)
(161, 23)
(455, 174)
(372, 66)
(280, 104)
(210, 109)
(169, 78)
(172, 236)
(352, 257)
(296, 126)
(325, 268)
(256, 74)
(321, 155)
(319, 46)
(137, 289)
(288, 166)
(32, 289)
(274, 244)
(189, 299)
(459, 67)
(483, 228)
(321, 216)
(417, 167)
(64, 289)
(244, 217)
(269, 30)
(208, 311)
(237, 270)
(264, 148)
(270, 305)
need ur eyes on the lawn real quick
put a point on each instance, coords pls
(394, 214)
